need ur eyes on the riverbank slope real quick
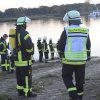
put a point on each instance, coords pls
(48, 84)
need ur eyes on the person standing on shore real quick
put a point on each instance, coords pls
(74, 45)
(40, 49)
(4, 53)
(51, 49)
(23, 61)
(45, 48)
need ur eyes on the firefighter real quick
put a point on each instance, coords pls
(51, 49)
(45, 48)
(74, 45)
(23, 53)
(4, 53)
(40, 49)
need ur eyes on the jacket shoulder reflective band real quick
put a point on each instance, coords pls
(75, 49)
(78, 30)
(4, 48)
(25, 38)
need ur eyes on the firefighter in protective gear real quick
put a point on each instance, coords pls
(40, 49)
(23, 61)
(45, 48)
(51, 49)
(4, 53)
(74, 45)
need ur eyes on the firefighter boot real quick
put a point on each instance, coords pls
(80, 97)
(30, 94)
(20, 93)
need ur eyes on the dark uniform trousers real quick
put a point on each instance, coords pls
(67, 75)
(4, 62)
(21, 74)
(40, 56)
(46, 54)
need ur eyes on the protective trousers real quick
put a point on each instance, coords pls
(46, 55)
(75, 88)
(4, 62)
(52, 56)
(24, 80)
(40, 56)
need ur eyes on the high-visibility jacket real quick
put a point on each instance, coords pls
(74, 44)
(24, 48)
(45, 46)
(39, 45)
(51, 46)
(3, 46)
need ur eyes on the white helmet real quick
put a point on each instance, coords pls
(44, 38)
(50, 39)
(39, 38)
(23, 20)
(72, 15)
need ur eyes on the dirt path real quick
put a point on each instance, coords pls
(48, 84)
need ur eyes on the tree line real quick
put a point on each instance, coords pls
(57, 11)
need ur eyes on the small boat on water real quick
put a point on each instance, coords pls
(95, 13)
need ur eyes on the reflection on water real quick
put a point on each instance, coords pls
(52, 28)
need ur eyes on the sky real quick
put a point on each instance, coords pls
(5, 4)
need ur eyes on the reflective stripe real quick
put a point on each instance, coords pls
(19, 87)
(6, 65)
(76, 56)
(19, 42)
(89, 50)
(19, 56)
(23, 63)
(82, 30)
(81, 93)
(39, 49)
(27, 36)
(72, 89)
(30, 89)
(4, 50)
(29, 50)
(65, 61)
(52, 51)
(27, 86)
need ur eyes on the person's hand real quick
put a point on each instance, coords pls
(88, 59)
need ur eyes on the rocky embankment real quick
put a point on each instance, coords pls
(48, 84)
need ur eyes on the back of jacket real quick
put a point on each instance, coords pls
(24, 47)
(62, 46)
(3, 46)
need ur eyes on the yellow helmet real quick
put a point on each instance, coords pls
(23, 20)
(72, 15)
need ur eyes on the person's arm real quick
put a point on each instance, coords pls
(88, 46)
(27, 42)
(62, 43)
(1, 46)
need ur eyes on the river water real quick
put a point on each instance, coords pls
(52, 28)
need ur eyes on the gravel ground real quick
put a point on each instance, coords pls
(48, 84)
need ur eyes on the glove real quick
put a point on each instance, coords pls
(88, 59)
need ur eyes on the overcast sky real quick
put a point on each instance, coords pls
(5, 4)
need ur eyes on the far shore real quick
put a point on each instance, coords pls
(36, 17)
(33, 17)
